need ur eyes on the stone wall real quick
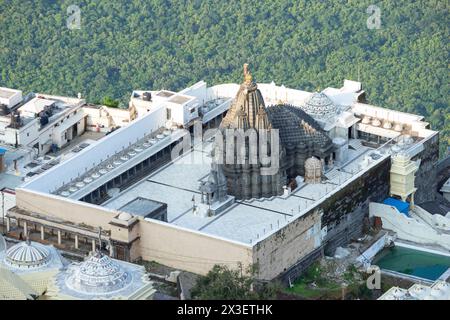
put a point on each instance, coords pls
(426, 177)
(346, 210)
(288, 252)
(443, 171)
(188, 250)
(275, 254)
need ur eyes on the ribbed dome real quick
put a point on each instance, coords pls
(296, 127)
(319, 106)
(98, 274)
(27, 255)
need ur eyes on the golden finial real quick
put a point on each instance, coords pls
(247, 75)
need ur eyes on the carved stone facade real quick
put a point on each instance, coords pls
(251, 131)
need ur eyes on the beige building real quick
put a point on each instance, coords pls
(143, 190)
(403, 171)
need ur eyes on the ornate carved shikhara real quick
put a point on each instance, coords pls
(300, 137)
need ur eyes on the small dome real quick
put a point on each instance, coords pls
(320, 106)
(27, 255)
(125, 216)
(387, 125)
(366, 120)
(296, 127)
(313, 170)
(376, 122)
(313, 163)
(398, 127)
(98, 274)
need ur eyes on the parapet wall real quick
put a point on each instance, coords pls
(346, 210)
(188, 250)
(156, 241)
(285, 247)
(289, 251)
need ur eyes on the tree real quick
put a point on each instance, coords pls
(110, 102)
(223, 283)
(140, 44)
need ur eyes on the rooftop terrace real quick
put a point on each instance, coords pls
(245, 221)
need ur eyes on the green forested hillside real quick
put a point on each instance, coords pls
(142, 44)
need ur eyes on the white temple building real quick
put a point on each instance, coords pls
(27, 269)
(30, 270)
(100, 277)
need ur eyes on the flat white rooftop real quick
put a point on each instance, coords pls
(245, 221)
(36, 105)
(7, 93)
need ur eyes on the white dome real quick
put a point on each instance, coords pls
(99, 274)
(319, 106)
(125, 216)
(26, 255)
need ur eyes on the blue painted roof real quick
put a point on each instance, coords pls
(401, 206)
(3, 150)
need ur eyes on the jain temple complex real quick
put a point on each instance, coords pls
(302, 174)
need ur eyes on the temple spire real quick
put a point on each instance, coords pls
(247, 75)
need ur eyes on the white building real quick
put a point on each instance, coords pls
(29, 270)
(10, 97)
(197, 102)
(42, 122)
(440, 290)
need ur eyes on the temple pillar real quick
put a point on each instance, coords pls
(76, 241)
(42, 233)
(8, 224)
(59, 237)
(93, 245)
(25, 229)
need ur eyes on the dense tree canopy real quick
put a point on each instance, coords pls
(144, 44)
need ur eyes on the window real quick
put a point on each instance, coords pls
(28, 134)
(169, 113)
